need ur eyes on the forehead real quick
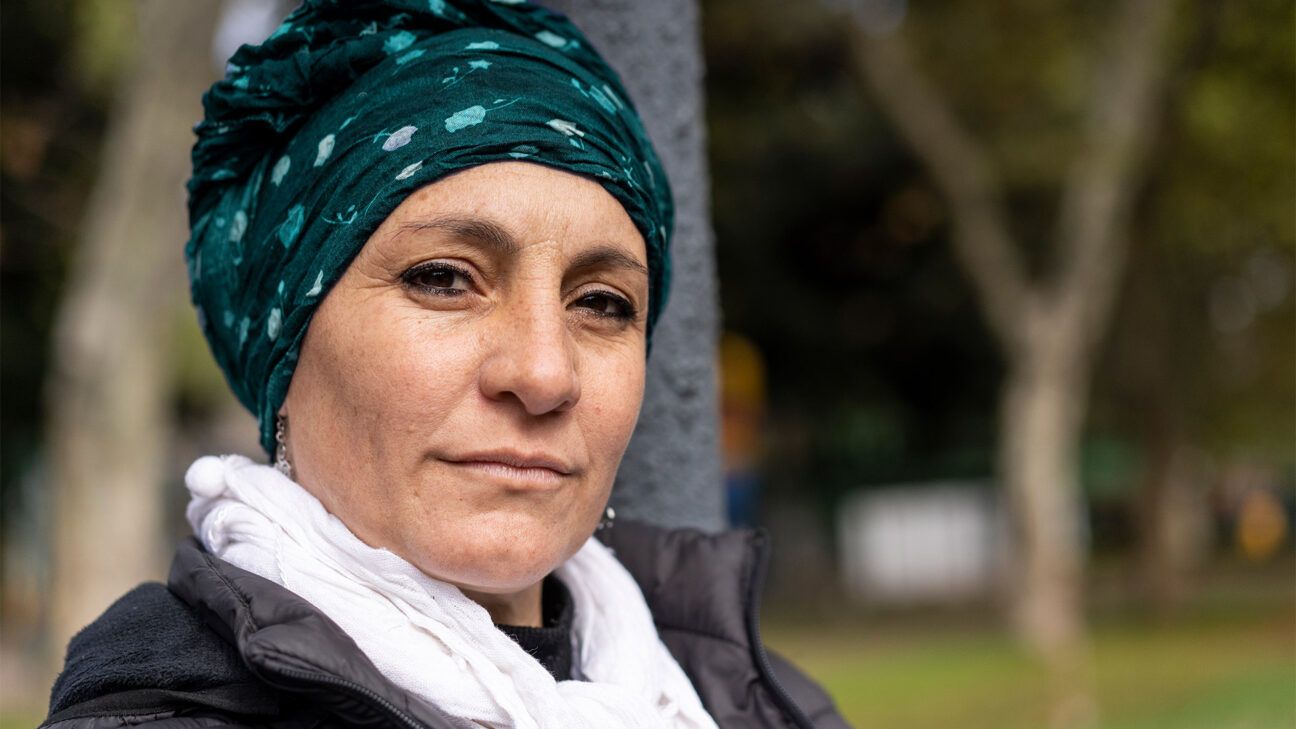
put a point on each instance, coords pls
(529, 202)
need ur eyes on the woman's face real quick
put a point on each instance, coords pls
(465, 392)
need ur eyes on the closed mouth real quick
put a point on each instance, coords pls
(541, 469)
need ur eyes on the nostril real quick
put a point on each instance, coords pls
(553, 387)
(539, 372)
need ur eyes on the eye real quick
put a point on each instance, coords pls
(439, 278)
(607, 305)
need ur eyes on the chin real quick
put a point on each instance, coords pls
(496, 559)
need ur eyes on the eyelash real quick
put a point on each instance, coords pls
(626, 310)
(411, 278)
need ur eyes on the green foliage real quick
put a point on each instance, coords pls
(1208, 325)
(1017, 74)
(103, 36)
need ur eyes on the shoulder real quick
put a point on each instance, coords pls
(150, 651)
(704, 592)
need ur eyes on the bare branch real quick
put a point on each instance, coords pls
(962, 170)
(1103, 180)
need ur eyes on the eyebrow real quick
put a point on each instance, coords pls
(604, 256)
(480, 229)
(502, 243)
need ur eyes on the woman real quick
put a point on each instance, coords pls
(429, 245)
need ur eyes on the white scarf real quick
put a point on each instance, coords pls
(427, 637)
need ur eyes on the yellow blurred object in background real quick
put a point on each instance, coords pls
(1261, 525)
(742, 398)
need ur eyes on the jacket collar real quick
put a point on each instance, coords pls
(289, 644)
(704, 592)
(692, 580)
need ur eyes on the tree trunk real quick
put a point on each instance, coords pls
(108, 391)
(1041, 416)
(1041, 420)
(671, 472)
(1172, 512)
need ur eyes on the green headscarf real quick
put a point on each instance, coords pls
(316, 135)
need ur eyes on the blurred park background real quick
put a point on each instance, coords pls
(1007, 292)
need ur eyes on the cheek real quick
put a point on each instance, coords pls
(373, 388)
(615, 394)
(393, 377)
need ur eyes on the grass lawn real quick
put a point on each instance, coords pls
(1221, 665)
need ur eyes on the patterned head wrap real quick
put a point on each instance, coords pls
(316, 135)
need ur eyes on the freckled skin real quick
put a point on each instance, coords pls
(394, 384)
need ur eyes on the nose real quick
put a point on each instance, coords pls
(531, 360)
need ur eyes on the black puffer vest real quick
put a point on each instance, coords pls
(220, 647)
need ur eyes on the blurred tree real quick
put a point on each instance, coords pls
(52, 115)
(1047, 326)
(109, 385)
(1199, 370)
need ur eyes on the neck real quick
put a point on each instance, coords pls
(511, 608)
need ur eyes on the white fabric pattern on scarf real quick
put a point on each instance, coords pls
(425, 635)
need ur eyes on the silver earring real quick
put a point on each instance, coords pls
(281, 446)
(609, 514)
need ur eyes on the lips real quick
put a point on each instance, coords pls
(515, 466)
